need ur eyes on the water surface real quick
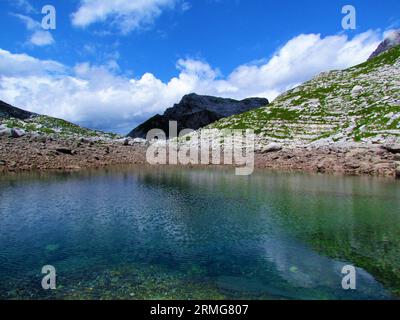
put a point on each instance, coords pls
(135, 233)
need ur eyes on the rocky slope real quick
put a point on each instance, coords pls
(342, 121)
(30, 141)
(194, 112)
(360, 104)
(16, 122)
(44, 152)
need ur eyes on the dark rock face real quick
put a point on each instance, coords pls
(390, 42)
(195, 112)
(8, 111)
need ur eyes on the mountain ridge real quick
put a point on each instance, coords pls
(390, 42)
(359, 104)
(8, 111)
(18, 122)
(197, 111)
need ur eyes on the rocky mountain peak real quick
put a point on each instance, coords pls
(391, 41)
(197, 111)
(222, 107)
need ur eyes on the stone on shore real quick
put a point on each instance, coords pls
(273, 147)
(17, 133)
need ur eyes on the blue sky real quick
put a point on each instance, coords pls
(112, 64)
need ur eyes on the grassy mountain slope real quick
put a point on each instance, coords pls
(14, 118)
(358, 104)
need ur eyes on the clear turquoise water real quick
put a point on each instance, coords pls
(135, 233)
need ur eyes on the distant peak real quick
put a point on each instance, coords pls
(9, 111)
(391, 41)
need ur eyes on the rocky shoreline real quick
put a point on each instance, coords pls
(349, 159)
(42, 153)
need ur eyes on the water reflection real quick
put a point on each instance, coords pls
(206, 233)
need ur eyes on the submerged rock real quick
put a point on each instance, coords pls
(52, 247)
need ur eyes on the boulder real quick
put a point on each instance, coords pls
(17, 133)
(356, 91)
(273, 147)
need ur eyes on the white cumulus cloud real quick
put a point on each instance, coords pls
(127, 15)
(101, 97)
(22, 65)
(39, 37)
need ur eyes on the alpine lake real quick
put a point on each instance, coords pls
(177, 233)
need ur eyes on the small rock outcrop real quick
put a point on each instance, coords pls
(390, 42)
(195, 112)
